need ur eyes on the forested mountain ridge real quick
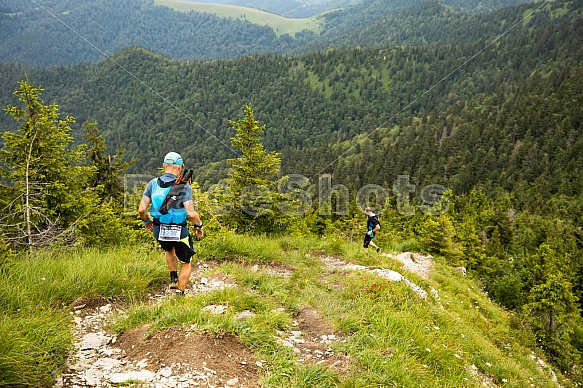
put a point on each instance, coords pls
(399, 22)
(305, 101)
(33, 35)
(432, 22)
(524, 139)
(63, 32)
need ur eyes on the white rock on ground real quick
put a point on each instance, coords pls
(165, 372)
(388, 274)
(245, 314)
(215, 309)
(94, 341)
(414, 262)
(143, 375)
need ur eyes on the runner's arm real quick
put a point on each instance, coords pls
(143, 212)
(192, 214)
(193, 217)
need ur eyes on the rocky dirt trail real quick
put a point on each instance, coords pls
(176, 358)
(186, 358)
(166, 359)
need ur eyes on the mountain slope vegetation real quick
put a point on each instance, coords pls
(151, 102)
(361, 22)
(281, 25)
(289, 8)
(86, 30)
(384, 333)
(433, 22)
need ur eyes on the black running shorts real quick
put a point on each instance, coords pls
(183, 248)
(367, 239)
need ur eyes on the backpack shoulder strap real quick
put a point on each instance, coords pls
(163, 184)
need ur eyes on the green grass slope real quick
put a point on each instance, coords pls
(392, 337)
(280, 25)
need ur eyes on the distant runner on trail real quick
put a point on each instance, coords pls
(372, 226)
(171, 199)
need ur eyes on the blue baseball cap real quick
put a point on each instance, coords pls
(172, 158)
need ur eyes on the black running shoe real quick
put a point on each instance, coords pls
(173, 282)
(379, 249)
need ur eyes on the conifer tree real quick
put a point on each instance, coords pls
(44, 174)
(252, 179)
(109, 169)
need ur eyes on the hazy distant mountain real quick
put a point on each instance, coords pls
(63, 32)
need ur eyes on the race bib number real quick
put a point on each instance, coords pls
(170, 232)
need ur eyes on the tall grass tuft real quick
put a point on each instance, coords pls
(35, 295)
(33, 346)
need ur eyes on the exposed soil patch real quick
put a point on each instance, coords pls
(311, 342)
(167, 359)
(312, 323)
(221, 359)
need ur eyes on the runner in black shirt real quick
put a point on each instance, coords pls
(372, 226)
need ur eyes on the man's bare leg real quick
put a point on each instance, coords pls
(172, 260)
(374, 246)
(185, 270)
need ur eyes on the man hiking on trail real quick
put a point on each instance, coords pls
(372, 226)
(172, 205)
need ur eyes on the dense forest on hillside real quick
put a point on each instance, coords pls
(55, 33)
(433, 22)
(373, 17)
(32, 35)
(524, 140)
(305, 101)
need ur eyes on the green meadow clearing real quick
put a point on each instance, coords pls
(281, 25)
